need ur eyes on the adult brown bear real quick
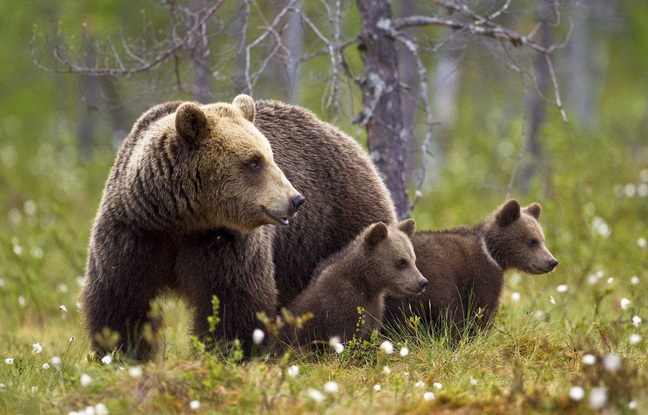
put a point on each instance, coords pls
(186, 208)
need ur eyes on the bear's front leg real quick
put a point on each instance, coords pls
(126, 271)
(238, 269)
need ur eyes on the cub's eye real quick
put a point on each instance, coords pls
(255, 164)
(533, 243)
(401, 264)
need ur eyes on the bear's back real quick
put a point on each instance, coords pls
(344, 193)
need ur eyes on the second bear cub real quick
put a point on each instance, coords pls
(380, 260)
(465, 267)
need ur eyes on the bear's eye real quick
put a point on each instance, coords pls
(255, 164)
(401, 264)
(533, 243)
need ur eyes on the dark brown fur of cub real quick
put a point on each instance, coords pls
(465, 269)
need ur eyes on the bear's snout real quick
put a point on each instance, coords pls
(553, 263)
(423, 283)
(297, 201)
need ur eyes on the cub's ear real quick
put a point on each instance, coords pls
(376, 233)
(191, 122)
(508, 213)
(246, 104)
(408, 226)
(533, 209)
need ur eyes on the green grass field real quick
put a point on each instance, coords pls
(593, 192)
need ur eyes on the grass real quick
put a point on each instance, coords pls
(590, 189)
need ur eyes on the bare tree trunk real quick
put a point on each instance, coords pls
(382, 116)
(409, 78)
(294, 43)
(536, 101)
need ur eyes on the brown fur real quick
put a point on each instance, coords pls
(465, 281)
(380, 260)
(184, 206)
(344, 193)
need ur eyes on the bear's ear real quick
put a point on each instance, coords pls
(508, 213)
(376, 233)
(191, 122)
(408, 226)
(533, 209)
(246, 104)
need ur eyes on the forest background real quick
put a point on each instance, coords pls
(488, 128)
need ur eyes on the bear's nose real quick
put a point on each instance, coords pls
(297, 201)
(423, 283)
(553, 263)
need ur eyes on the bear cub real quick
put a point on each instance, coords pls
(465, 269)
(380, 261)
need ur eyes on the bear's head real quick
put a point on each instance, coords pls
(390, 260)
(242, 187)
(514, 239)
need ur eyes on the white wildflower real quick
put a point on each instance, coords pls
(376, 387)
(336, 344)
(194, 405)
(9, 361)
(386, 370)
(106, 360)
(473, 381)
(293, 371)
(552, 300)
(635, 338)
(515, 297)
(599, 224)
(37, 348)
(630, 189)
(257, 336)
(315, 395)
(29, 207)
(576, 393)
(22, 301)
(72, 339)
(610, 280)
(63, 308)
(135, 371)
(56, 361)
(589, 359)
(34, 389)
(636, 320)
(598, 397)
(101, 409)
(387, 347)
(632, 405)
(428, 396)
(624, 303)
(85, 379)
(562, 288)
(404, 351)
(634, 280)
(612, 362)
(46, 366)
(420, 384)
(437, 385)
(331, 387)
(641, 242)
